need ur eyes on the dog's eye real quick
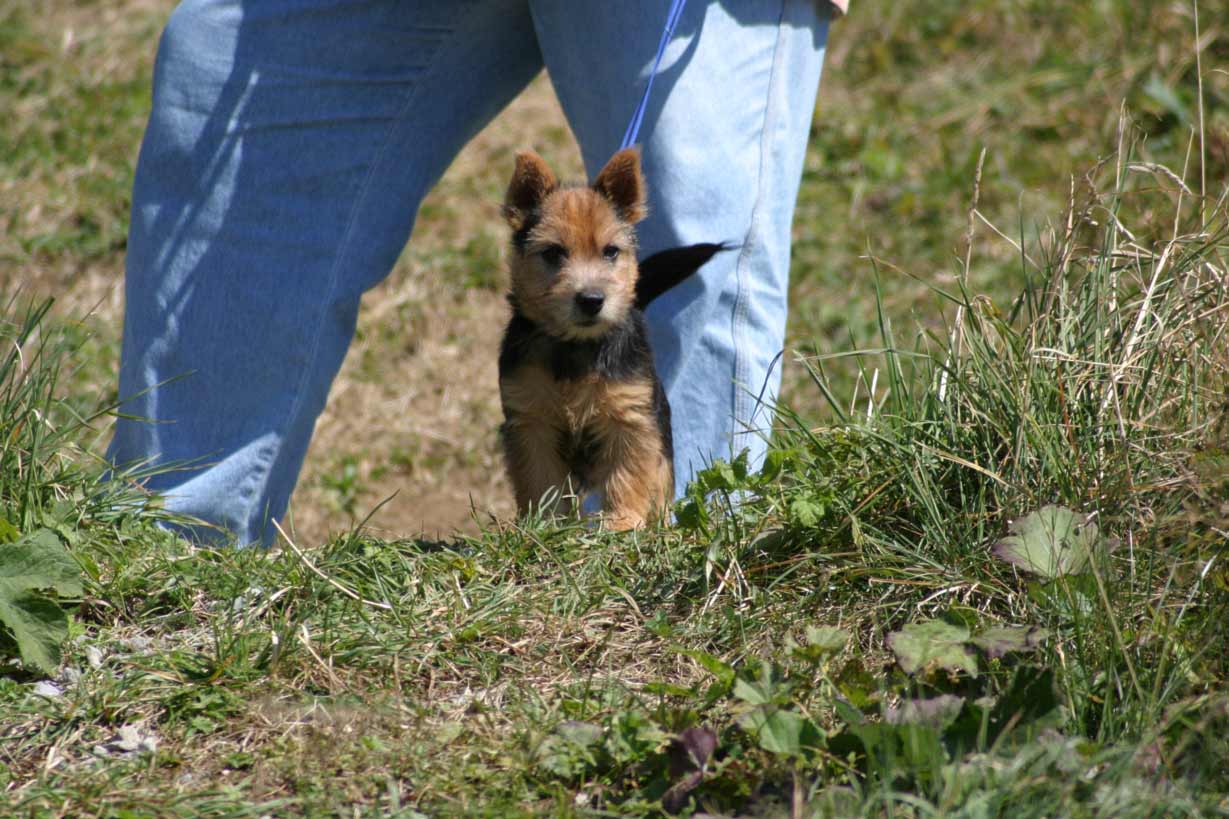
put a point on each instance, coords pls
(610, 253)
(554, 255)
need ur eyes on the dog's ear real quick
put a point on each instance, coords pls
(531, 182)
(622, 183)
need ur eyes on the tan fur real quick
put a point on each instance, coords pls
(631, 472)
(635, 478)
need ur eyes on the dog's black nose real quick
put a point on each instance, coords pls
(590, 302)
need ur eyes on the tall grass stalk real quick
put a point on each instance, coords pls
(30, 471)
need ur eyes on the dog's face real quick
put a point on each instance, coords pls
(573, 259)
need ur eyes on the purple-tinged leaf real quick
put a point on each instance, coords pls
(1000, 640)
(935, 712)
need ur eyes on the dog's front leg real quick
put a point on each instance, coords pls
(531, 450)
(633, 473)
(637, 488)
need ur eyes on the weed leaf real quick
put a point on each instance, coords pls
(922, 645)
(827, 639)
(32, 569)
(821, 643)
(572, 749)
(633, 736)
(583, 734)
(1050, 542)
(935, 712)
(781, 731)
(774, 462)
(1000, 640)
(806, 512)
(688, 755)
(857, 684)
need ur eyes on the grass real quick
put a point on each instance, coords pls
(875, 625)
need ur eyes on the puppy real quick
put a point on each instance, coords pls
(584, 409)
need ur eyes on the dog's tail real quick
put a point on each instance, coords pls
(664, 270)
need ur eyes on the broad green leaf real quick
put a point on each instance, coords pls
(665, 689)
(571, 750)
(659, 625)
(1050, 542)
(32, 569)
(202, 725)
(37, 625)
(723, 476)
(806, 512)
(739, 466)
(752, 692)
(922, 645)
(774, 461)
(781, 731)
(39, 561)
(691, 514)
(892, 748)
(448, 731)
(562, 758)
(762, 690)
(849, 714)
(821, 642)
(633, 736)
(1071, 597)
(857, 684)
(1167, 98)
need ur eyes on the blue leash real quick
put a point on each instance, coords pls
(633, 127)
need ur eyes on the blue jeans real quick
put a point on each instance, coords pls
(291, 142)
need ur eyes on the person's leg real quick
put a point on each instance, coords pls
(724, 140)
(288, 148)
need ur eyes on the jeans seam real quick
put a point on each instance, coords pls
(741, 298)
(267, 464)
